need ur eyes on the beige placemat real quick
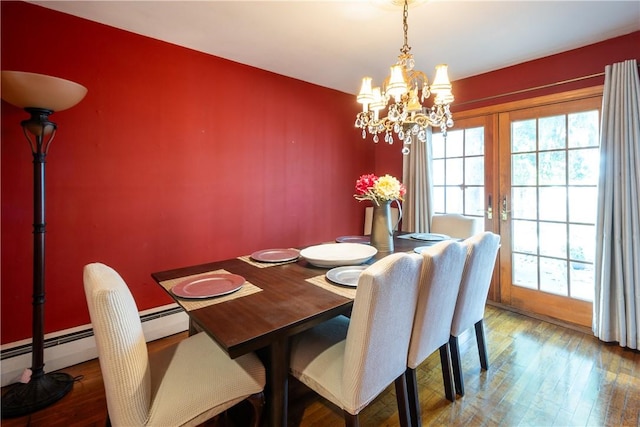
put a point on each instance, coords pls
(248, 260)
(336, 289)
(193, 304)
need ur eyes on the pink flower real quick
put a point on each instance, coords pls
(365, 183)
(379, 189)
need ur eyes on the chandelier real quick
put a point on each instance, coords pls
(403, 92)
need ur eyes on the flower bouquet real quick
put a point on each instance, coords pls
(379, 189)
(382, 191)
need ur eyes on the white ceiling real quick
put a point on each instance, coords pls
(335, 43)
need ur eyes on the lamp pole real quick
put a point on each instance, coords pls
(42, 389)
(40, 96)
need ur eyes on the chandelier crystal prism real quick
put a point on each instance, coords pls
(403, 92)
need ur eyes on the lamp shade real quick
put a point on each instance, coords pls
(366, 94)
(441, 83)
(24, 89)
(397, 84)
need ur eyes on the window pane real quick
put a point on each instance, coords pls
(523, 136)
(525, 271)
(474, 201)
(474, 171)
(454, 171)
(553, 203)
(523, 169)
(474, 142)
(454, 144)
(525, 237)
(584, 165)
(524, 203)
(583, 204)
(438, 200)
(454, 200)
(584, 129)
(582, 281)
(437, 145)
(438, 174)
(552, 133)
(582, 240)
(553, 276)
(553, 239)
(552, 168)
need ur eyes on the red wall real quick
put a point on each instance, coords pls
(545, 71)
(173, 158)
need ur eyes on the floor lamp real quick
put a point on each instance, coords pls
(40, 96)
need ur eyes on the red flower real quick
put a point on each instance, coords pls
(365, 183)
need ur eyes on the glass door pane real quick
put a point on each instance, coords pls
(549, 191)
(458, 171)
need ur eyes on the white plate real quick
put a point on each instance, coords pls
(347, 275)
(275, 255)
(430, 237)
(337, 254)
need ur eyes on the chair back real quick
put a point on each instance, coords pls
(482, 250)
(442, 266)
(122, 349)
(380, 328)
(456, 225)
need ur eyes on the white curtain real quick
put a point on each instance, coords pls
(616, 307)
(416, 176)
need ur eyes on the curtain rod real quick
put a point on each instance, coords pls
(577, 79)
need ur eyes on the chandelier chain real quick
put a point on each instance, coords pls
(405, 26)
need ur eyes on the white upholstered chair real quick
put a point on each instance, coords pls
(350, 362)
(442, 266)
(482, 250)
(368, 219)
(456, 225)
(185, 384)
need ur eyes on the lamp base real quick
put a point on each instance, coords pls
(22, 399)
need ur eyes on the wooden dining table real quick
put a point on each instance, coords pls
(278, 300)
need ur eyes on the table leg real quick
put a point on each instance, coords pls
(278, 377)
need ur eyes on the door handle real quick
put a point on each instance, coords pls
(489, 208)
(504, 213)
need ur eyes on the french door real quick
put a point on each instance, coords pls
(548, 159)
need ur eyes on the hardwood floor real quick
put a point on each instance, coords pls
(540, 374)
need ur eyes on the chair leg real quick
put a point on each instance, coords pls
(402, 399)
(415, 418)
(447, 372)
(482, 344)
(351, 420)
(257, 405)
(457, 365)
(193, 328)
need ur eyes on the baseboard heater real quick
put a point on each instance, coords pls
(72, 346)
